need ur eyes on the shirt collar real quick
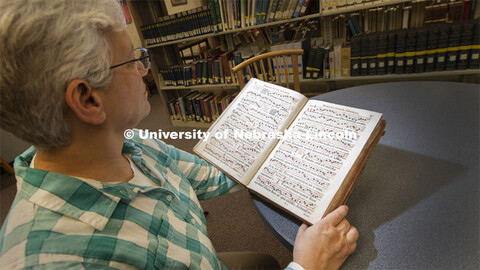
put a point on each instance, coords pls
(92, 202)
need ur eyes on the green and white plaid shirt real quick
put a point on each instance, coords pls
(59, 221)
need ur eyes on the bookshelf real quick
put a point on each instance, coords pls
(330, 20)
(236, 30)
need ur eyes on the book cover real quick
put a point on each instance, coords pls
(310, 63)
(465, 45)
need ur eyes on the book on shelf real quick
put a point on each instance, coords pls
(432, 47)
(262, 141)
(195, 22)
(310, 64)
(199, 106)
(473, 59)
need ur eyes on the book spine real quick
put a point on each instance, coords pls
(372, 54)
(364, 45)
(473, 61)
(304, 8)
(170, 111)
(198, 106)
(432, 43)
(382, 53)
(400, 48)
(420, 49)
(453, 45)
(299, 6)
(442, 47)
(410, 50)
(355, 57)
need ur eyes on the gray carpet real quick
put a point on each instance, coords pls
(233, 222)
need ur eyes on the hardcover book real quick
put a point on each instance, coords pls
(302, 155)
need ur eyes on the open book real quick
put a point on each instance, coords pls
(302, 155)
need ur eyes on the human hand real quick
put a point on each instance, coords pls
(327, 243)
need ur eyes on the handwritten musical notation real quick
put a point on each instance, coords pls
(261, 100)
(260, 114)
(290, 181)
(325, 149)
(250, 123)
(234, 163)
(340, 114)
(260, 110)
(334, 122)
(302, 169)
(292, 198)
(317, 128)
(319, 183)
(313, 154)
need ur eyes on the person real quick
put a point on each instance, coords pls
(71, 84)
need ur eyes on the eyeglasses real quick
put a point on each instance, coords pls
(142, 55)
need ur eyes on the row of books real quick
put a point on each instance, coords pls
(420, 10)
(222, 15)
(327, 60)
(402, 16)
(199, 107)
(215, 69)
(333, 4)
(185, 24)
(234, 14)
(433, 47)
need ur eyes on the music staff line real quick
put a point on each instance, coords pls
(253, 152)
(286, 105)
(313, 146)
(264, 126)
(314, 156)
(340, 114)
(283, 98)
(296, 183)
(246, 158)
(245, 108)
(319, 182)
(307, 206)
(287, 156)
(233, 163)
(344, 124)
(321, 172)
(319, 128)
(259, 143)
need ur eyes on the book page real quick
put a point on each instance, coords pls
(306, 169)
(248, 129)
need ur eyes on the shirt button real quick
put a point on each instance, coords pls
(193, 220)
(169, 198)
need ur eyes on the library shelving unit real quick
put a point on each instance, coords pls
(332, 19)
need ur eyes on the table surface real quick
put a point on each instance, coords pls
(416, 204)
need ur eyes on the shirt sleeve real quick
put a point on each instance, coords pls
(207, 181)
(294, 266)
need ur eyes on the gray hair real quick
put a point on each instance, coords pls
(44, 45)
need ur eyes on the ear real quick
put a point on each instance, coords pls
(85, 102)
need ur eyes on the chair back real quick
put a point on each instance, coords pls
(271, 67)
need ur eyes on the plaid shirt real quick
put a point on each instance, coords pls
(58, 221)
